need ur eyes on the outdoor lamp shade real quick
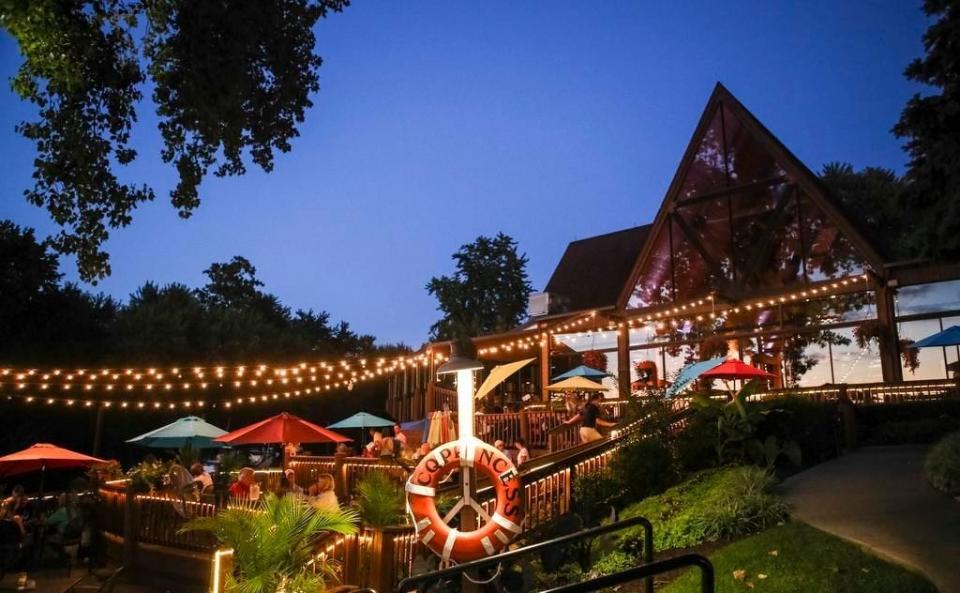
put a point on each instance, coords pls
(460, 360)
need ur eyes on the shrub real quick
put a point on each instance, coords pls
(643, 466)
(711, 505)
(380, 500)
(912, 422)
(594, 494)
(612, 563)
(899, 432)
(148, 475)
(811, 425)
(942, 465)
(696, 444)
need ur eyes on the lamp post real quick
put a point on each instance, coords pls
(464, 366)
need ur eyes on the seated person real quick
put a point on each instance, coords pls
(244, 486)
(201, 477)
(421, 451)
(289, 482)
(387, 448)
(324, 498)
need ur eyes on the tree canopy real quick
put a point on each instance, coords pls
(230, 319)
(486, 294)
(930, 123)
(231, 81)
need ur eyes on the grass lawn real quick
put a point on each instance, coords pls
(795, 558)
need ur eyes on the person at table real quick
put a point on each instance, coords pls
(422, 451)
(289, 482)
(589, 419)
(323, 496)
(523, 454)
(18, 503)
(399, 436)
(388, 448)
(201, 478)
(244, 486)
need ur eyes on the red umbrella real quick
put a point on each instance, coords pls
(43, 456)
(733, 369)
(282, 428)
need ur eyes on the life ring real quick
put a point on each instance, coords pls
(497, 530)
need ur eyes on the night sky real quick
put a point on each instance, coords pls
(549, 121)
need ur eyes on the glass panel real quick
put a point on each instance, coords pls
(646, 368)
(931, 360)
(829, 254)
(747, 159)
(853, 364)
(584, 341)
(766, 237)
(953, 353)
(655, 285)
(709, 222)
(693, 276)
(806, 360)
(707, 172)
(929, 298)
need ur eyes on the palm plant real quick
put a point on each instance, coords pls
(273, 545)
(380, 500)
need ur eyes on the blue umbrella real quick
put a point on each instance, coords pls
(948, 337)
(191, 430)
(691, 372)
(582, 371)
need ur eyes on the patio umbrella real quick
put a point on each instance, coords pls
(499, 374)
(41, 457)
(691, 373)
(282, 428)
(576, 384)
(363, 421)
(948, 337)
(192, 431)
(733, 369)
(583, 371)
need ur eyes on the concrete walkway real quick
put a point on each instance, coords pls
(879, 498)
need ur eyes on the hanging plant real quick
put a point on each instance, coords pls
(867, 332)
(595, 360)
(910, 355)
(712, 347)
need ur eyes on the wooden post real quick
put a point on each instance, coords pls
(889, 340)
(98, 430)
(382, 560)
(545, 369)
(524, 427)
(131, 526)
(623, 361)
(340, 482)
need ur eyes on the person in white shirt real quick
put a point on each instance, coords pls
(399, 436)
(201, 477)
(324, 498)
(523, 454)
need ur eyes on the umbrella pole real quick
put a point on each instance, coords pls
(43, 475)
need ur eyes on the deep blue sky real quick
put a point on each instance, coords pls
(549, 121)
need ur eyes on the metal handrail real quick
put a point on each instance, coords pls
(415, 582)
(646, 571)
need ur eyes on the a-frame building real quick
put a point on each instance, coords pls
(748, 255)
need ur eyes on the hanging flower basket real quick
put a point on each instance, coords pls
(910, 355)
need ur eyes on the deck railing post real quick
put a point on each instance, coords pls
(131, 526)
(524, 426)
(341, 481)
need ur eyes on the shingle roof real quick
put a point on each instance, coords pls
(592, 272)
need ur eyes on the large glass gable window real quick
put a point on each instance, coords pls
(739, 225)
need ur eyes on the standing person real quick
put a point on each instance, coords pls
(523, 454)
(399, 436)
(589, 418)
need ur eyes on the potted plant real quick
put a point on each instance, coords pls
(273, 545)
(382, 507)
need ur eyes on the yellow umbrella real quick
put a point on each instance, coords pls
(576, 384)
(499, 374)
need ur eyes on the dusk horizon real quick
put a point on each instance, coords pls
(547, 121)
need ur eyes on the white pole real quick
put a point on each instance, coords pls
(464, 405)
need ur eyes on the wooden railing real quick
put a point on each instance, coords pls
(875, 393)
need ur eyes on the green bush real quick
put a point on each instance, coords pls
(811, 425)
(612, 563)
(912, 422)
(643, 467)
(901, 432)
(711, 505)
(696, 444)
(594, 494)
(380, 500)
(942, 465)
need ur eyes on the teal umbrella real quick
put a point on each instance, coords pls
(193, 431)
(362, 420)
(691, 372)
(582, 371)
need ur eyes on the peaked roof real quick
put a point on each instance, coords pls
(789, 165)
(592, 272)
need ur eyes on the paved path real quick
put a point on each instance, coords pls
(878, 497)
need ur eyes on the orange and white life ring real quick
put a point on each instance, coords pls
(497, 529)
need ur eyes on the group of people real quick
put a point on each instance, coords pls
(320, 493)
(391, 446)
